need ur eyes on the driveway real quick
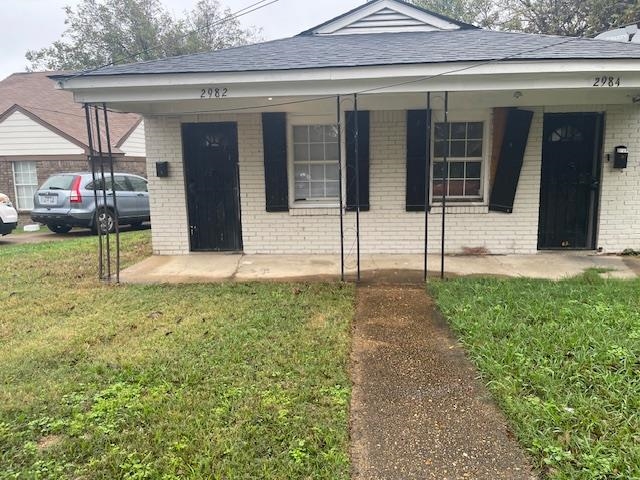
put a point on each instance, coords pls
(45, 235)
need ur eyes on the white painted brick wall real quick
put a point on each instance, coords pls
(620, 196)
(387, 227)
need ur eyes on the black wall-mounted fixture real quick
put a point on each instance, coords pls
(162, 169)
(620, 156)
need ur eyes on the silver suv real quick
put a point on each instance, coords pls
(67, 200)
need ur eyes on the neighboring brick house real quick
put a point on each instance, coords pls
(525, 148)
(43, 131)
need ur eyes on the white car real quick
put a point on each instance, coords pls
(8, 215)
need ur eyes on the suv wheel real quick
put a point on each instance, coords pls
(105, 221)
(59, 228)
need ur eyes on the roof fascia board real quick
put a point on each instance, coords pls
(259, 93)
(17, 108)
(373, 7)
(383, 71)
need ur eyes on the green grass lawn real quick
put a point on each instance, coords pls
(166, 382)
(563, 361)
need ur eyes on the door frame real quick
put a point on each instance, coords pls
(593, 226)
(237, 198)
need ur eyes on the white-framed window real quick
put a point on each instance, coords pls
(313, 158)
(25, 181)
(464, 145)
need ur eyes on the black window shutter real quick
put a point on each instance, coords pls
(416, 159)
(363, 150)
(509, 166)
(274, 139)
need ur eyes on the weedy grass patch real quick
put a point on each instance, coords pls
(167, 382)
(563, 361)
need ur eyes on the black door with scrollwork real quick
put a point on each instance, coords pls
(570, 183)
(212, 182)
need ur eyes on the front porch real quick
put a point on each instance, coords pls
(219, 267)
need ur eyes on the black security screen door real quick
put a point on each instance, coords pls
(213, 194)
(570, 180)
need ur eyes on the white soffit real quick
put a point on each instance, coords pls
(385, 16)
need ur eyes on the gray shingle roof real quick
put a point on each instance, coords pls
(309, 51)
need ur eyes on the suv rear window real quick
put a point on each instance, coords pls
(58, 182)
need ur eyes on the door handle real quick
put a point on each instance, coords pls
(141, 195)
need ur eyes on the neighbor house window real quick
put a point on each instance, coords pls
(462, 143)
(315, 162)
(25, 180)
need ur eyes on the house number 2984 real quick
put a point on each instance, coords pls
(214, 92)
(607, 81)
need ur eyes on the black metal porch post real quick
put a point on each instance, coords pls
(445, 185)
(114, 191)
(356, 135)
(104, 192)
(427, 188)
(341, 203)
(93, 177)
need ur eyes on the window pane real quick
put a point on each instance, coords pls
(472, 188)
(458, 148)
(301, 152)
(26, 182)
(332, 189)
(316, 151)
(317, 172)
(438, 170)
(331, 170)
(316, 133)
(317, 189)
(302, 190)
(474, 130)
(474, 148)
(440, 149)
(301, 172)
(331, 151)
(437, 188)
(458, 130)
(456, 188)
(473, 169)
(331, 133)
(456, 170)
(441, 131)
(301, 134)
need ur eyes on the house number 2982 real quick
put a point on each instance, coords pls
(214, 92)
(607, 81)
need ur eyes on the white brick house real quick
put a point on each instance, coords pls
(253, 138)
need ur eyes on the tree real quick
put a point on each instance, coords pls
(553, 17)
(101, 32)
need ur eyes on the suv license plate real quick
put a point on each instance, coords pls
(49, 199)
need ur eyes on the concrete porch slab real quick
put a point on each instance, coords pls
(219, 267)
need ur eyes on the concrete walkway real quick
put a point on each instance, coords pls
(417, 409)
(199, 267)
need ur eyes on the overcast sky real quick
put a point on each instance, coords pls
(33, 24)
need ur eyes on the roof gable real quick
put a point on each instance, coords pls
(382, 16)
(37, 97)
(22, 133)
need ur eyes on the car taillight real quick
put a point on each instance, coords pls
(75, 191)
